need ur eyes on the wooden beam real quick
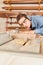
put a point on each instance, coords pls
(20, 28)
(22, 1)
(8, 14)
(5, 14)
(28, 13)
(12, 22)
(23, 7)
(14, 27)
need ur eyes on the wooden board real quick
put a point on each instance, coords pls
(13, 45)
(22, 1)
(9, 14)
(23, 7)
(31, 46)
(12, 22)
(4, 37)
(41, 45)
(6, 14)
(14, 27)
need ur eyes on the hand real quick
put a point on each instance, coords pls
(31, 32)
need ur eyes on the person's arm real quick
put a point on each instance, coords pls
(38, 31)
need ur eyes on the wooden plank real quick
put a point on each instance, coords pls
(22, 1)
(5, 14)
(41, 44)
(28, 13)
(4, 38)
(14, 27)
(13, 45)
(32, 46)
(12, 22)
(23, 7)
(19, 29)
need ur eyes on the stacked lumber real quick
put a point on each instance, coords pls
(23, 7)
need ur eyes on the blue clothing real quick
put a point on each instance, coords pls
(37, 22)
